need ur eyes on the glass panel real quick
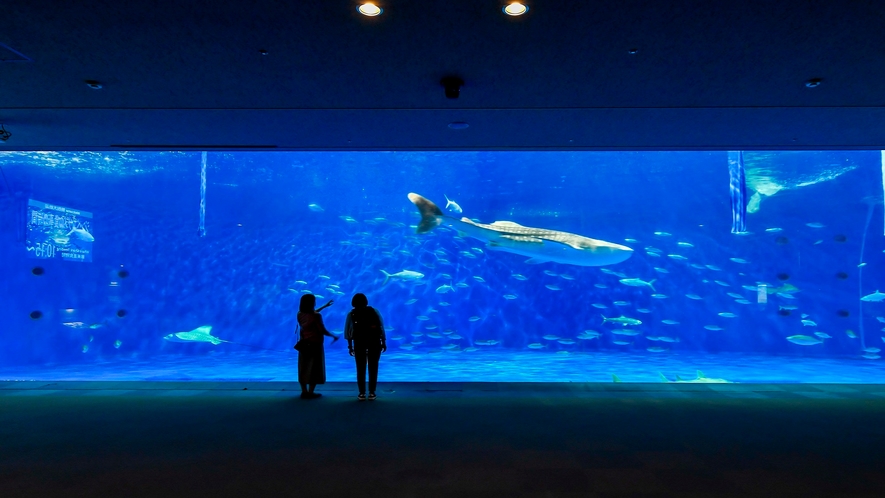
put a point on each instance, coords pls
(623, 265)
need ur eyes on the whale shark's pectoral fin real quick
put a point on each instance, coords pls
(536, 261)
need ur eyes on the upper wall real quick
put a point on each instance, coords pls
(704, 74)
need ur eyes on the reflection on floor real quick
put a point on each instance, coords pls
(441, 439)
(475, 366)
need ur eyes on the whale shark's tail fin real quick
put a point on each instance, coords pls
(430, 213)
(386, 277)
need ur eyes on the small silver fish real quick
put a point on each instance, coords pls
(452, 206)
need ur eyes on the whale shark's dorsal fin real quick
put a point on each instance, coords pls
(430, 213)
(701, 375)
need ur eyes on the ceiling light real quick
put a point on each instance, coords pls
(515, 9)
(369, 9)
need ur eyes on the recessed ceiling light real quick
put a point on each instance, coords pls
(813, 82)
(458, 125)
(370, 9)
(515, 9)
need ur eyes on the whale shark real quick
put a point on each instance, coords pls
(199, 334)
(539, 244)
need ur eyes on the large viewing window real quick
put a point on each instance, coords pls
(485, 266)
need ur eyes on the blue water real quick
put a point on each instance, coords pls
(334, 221)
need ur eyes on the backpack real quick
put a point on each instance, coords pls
(366, 324)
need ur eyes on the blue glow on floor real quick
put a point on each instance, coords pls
(478, 366)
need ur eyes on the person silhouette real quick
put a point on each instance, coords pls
(312, 357)
(364, 331)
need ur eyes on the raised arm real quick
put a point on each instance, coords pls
(325, 331)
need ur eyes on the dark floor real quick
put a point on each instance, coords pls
(236, 439)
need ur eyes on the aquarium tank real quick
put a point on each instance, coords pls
(487, 266)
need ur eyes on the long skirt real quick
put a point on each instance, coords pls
(312, 365)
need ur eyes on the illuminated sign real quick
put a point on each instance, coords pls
(59, 232)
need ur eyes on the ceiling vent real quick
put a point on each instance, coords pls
(9, 54)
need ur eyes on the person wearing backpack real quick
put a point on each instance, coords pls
(364, 331)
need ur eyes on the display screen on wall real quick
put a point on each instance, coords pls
(57, 232)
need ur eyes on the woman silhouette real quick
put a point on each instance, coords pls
(312, 357)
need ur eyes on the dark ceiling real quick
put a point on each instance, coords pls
(181, 74)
